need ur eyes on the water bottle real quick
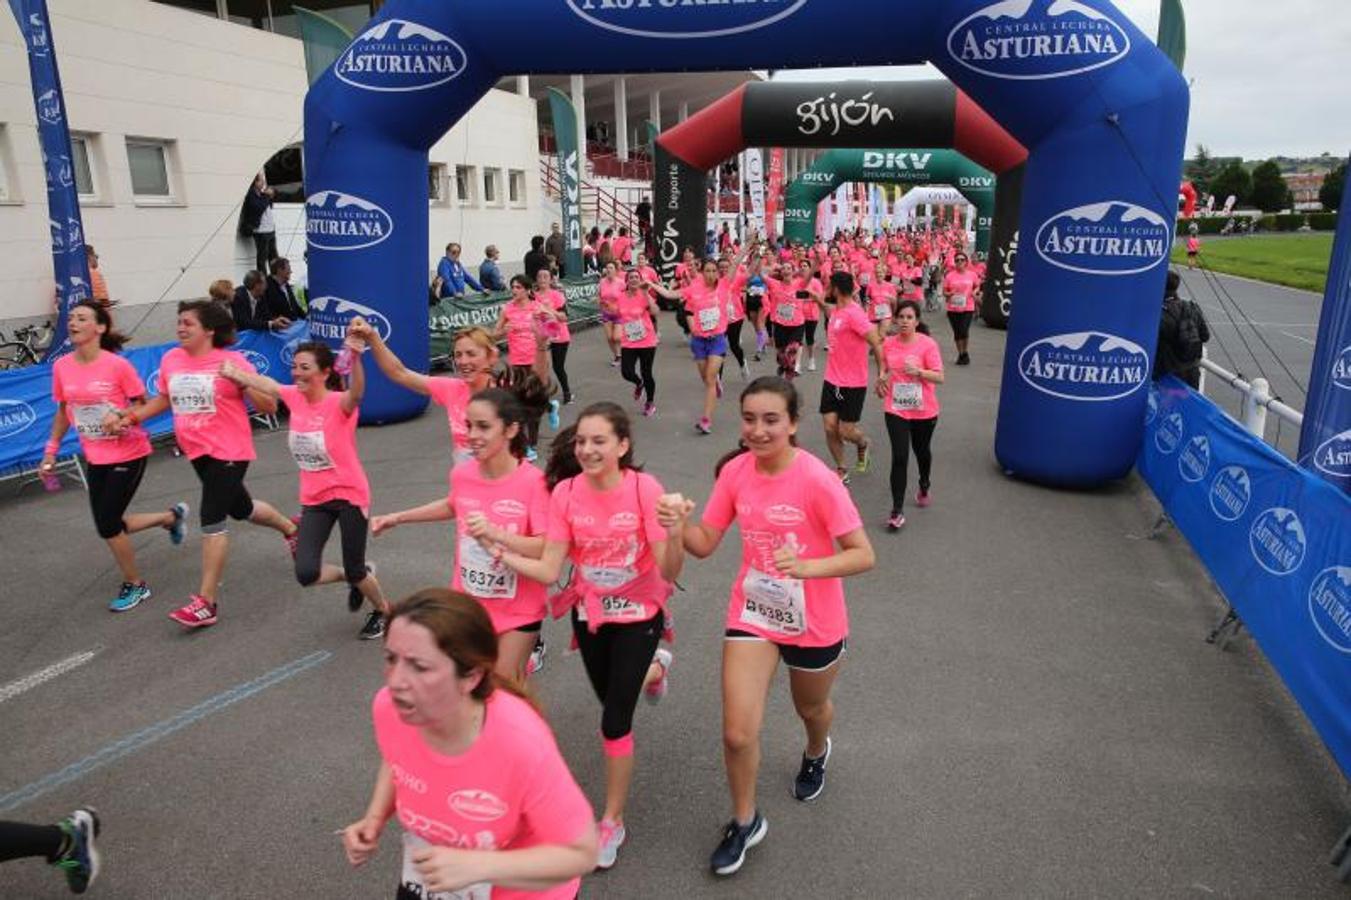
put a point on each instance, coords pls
(51, 482)
(343, 364)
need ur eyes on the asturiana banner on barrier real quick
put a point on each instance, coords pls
(1274, 538)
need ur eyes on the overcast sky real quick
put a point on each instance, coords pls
(1270, 77)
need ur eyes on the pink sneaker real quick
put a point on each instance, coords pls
(922, 498)
(293, 539)
(650, 410)
(199, 613)
(703, 426)
(657, 689)
(637, 392)
(896, 522)
(612, 835)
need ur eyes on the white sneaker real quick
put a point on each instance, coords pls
(811, 364)
(745, 371)
(797, 365)
(657, 689)
(611, 836)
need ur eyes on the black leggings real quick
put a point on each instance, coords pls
(903, 433)
(316, 524)
(734, 341)
(630, 358)
(223, 492)
(809, 332)
(19, 840)
(111, 488)
(559, 354)
(616, 658)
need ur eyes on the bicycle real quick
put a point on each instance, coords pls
(26, 347)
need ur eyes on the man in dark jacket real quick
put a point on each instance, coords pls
(248, 307)
(556, 247)
(1182, 333)
(256, 220)
(280, 298)
(535, 258)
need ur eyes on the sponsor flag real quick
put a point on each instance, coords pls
(1325, 438)
(323, 40)
(755, 178)
(841, 207)
(772, 194)
(569, 177)
(70, 267)
(1173, 32)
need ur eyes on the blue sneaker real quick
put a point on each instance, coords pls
(129, 597)
(531, 454)
(554, 421)
(80, 861)
(736, 840)
(180, 525)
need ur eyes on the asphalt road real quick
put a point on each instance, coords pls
(1027, 707)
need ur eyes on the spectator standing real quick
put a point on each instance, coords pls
(1183, 332)
(489, 275)
(452, 278)
(98, 287)
(644, 213)
(256, 219)
(554, 246)
(279, 298)
(538, 257)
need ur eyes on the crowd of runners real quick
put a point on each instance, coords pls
(469, 767)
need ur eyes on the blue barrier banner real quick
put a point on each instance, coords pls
(27, 408)
(69, 266)
(1274, 537)
(1325, 438)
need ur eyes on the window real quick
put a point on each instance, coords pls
(438, 179)
(350, 14)
(516, 187)
(464, 185)
(81, 170)
(9, 181)
(149, 163)
(492, 187)
(207, 7)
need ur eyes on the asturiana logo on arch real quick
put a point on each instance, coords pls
(1330, 606)
(1278, 541)
(1169, 433)
(399, 55)
(1033, 39)
(338, 221)
(1341, 369)
(1230, 493)
(15, 416)
(1193, 463)
(1110, 238)
(1333, 456)
(1087, 365)
(330, 316)
(684, 19)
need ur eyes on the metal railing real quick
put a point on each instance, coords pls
(598, 206)
(1257, 399)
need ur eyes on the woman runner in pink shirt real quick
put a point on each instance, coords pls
(333, 485)
(611, 285)
(87, 385)
(197, 380)
(603, 516)
(913, 365)
(637, 324)
(788, 598)
(959, 293)
(468, 767)
(560, 338)
(811, 312)
(706, 312)
(495, 499)
(845, 386)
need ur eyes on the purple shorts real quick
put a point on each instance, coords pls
(704, 347)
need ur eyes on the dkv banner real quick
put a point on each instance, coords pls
(1275, 540)
(569, 177)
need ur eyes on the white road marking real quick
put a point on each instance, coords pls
(42, 676)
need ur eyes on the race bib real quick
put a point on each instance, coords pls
(483, 576)
(89, 421)
(635, 331)
(622, 609)
(412, 879)
(309, 451)
(609, 577)
(708, 318)
(192, 393)
(882, 311)
(774, 604)
(786, 311)
(958, 301)
(907, 395)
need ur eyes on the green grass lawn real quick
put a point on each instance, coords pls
(1295, 260)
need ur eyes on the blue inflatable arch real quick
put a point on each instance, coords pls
(1101, 110)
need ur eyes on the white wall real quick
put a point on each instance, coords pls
(229, 97)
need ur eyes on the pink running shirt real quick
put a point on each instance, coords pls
(805, 504)
(635, 321)
(963, 287)
(517, 503)
(910, 396)
(707, 315)
(552, 299)
(323, 442)
(210, 418)
(847, 365)
(91, 391)
(522, 325)
(509, 791)
(454, 394)
(881, 300)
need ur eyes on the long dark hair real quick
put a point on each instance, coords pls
(110, 340)
(509, 409)
(525, 283)
(563, 463)
(215, 318)
(464, 632)
(766, 384)
(919, 321)
(324, 359)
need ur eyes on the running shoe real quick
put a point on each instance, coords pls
(531, 454)
(865, 458)
(293, 539)
(655, 691)
(811, 364)
(129, 597)
(719, 386)
(535, 664)
(844, 476)
(637, 392)
(354, 596)
(80, 861)
(650, 409)
(569, 399)
(736, 840)
(614, 363)
(746, 371)
(797, 363)
(761, 341)
(199, 613)
(811, 778)
(963, 359)
(553, 415)
(374, 626)
(922, 498)
(179, 527)
(703, 426)
(611, 837)
(895, 523)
